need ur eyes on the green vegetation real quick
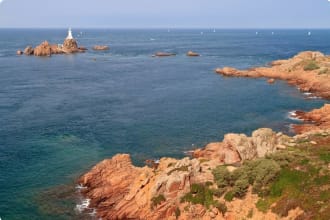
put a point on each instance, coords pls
(200, 194)
(263, 205)
(258, 173)
(177, 212)
(323, 71)
(250, 214)
(203, 160)
(295, 177)
(311, 65)
(221, 207)
(183, 168)
(325, 157)
(157, 200)
(303, 181)
(229, 196)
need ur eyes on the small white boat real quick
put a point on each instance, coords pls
(309, 33)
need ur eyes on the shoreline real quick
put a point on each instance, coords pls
(119, 190)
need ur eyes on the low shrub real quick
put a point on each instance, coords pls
(157, 200)
(221, 207)
(250, 214)
(183, 168)
(311, 65)
(229, 196)
(263, 205)
(288, 179)
(284, 205)
(199, 194)
(241, 186)
(177, 212)
(222, 176)
(325, 157)
(323, 71)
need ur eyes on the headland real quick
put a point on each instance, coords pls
(266, 176)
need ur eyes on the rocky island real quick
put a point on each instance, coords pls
(266, 176)
(69, 46)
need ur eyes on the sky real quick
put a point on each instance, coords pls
(165, 14)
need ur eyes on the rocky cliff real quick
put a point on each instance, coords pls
(119, 190)
(308, 70)
(317, 119)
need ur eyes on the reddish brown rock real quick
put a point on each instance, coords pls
(164, 54)
(28, 50)
(296, 71)
(239, 147)
(43, 49)
(192, 54)
(271, 81)
(101, 47)
(317, 119)
(119, 190)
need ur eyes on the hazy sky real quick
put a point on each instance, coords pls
(166, 13)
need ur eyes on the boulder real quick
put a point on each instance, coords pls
(242, 144)
(70, 46)
(219, 152)
(101, 47)
(192, 54)
(271, 81)
(19, 52)
(43, 49)
(163, 54)
(238, 147)
(28, 50)
(265, 141)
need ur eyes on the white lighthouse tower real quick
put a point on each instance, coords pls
(69, 37)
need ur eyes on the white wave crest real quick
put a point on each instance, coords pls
(292, 115)
(83, 205)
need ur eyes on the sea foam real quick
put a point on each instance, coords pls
(292, 115)
(83, 205)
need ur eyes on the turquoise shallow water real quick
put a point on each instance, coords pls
(61, 115)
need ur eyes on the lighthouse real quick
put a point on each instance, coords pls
(69, 37)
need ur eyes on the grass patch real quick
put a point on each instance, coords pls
(288, 179)
(325, 157)
(250, 214)
(323, 71)
(177, 212)
(311, 65)
(203, 160)
(229, 196)
(284, 205)
(183, 168)
(157, 200)
(221, 207)
(263, 205)
(322, 180)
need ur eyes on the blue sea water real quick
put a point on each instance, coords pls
(61, 115)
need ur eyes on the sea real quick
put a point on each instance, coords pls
(61, 115)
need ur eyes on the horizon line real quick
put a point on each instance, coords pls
(176, 28)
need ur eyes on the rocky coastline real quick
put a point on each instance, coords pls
(266, 176)
(69, 46)
(309, 71)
